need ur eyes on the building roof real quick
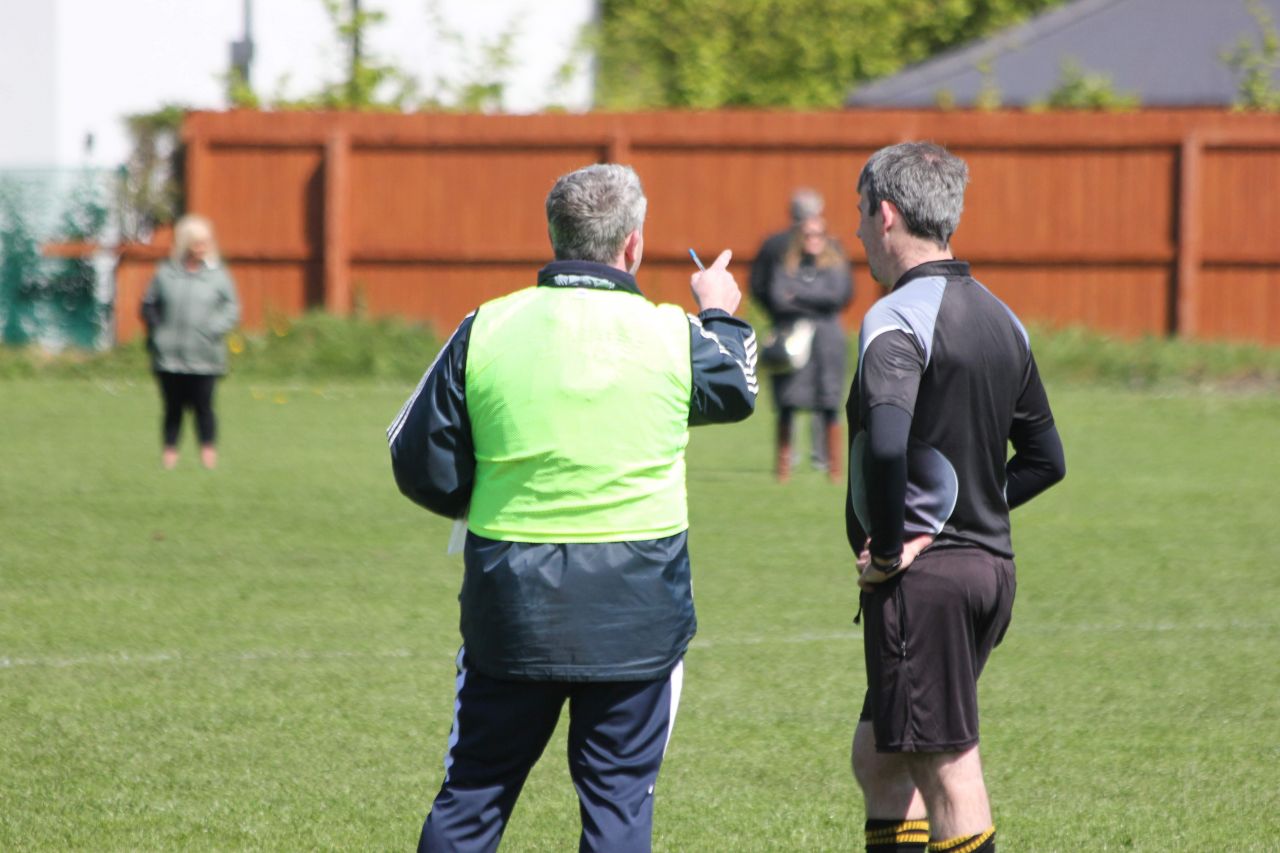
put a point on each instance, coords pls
(1167, 52)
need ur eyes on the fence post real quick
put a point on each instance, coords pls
(618, 149)
(337, 216)
(197, 168)
(1186, 307)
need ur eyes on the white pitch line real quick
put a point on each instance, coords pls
(853, 633)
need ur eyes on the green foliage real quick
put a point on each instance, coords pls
(322, 347)
(72, 284)
(486, 66)
(775, 53)
(363, 83)
(261, 657)
(1257, 63)
(240, 94)
(368, 83)
(50, 299)
(1080, 355)
(315, 346)
(150, 188)
(1078, 89)
(19, 260)
(988, 96)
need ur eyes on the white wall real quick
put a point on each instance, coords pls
(83, 64)
(28, 84)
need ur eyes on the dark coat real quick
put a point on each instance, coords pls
(818, 295)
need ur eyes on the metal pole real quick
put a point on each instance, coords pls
(356, 30)
(248, 39)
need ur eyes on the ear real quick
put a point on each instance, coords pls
(889, 214)
(633, 248)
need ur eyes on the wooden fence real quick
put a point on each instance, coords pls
(1142, 223)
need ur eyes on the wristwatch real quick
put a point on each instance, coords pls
(887, 568)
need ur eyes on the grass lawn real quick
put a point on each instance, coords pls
(261, 657)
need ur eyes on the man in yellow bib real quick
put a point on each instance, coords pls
(555, 420)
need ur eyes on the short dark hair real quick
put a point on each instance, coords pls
(924, 181)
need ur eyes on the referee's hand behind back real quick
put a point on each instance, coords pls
(715, 287)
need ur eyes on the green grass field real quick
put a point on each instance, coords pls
(261, 657)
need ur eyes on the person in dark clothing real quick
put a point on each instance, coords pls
(945, 381)
(802, 279)
(553, 425)
(188, 309)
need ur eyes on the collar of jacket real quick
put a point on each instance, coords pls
(586, 274)
(204, 266)
(934, 268)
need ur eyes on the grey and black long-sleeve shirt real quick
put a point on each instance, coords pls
(945, 382)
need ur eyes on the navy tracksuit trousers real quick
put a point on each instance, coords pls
(618, 732)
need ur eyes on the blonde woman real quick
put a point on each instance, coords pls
(189, 308)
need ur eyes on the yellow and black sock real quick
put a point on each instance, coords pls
(983, 842)
(897, 836)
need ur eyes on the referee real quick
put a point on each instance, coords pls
(559, 415)
(945, 382)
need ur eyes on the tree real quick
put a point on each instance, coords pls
(149, 192)
(482, 86)
(1257, 64)
(366, 82)
(1078, 89)
(775, 53)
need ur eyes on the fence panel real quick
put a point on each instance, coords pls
(1153, 222)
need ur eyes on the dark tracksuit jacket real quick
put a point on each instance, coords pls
(573, 610)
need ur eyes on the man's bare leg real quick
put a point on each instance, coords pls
(885, 779)
(895, 810)
(955, 795)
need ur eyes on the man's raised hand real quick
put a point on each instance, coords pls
(715, 287)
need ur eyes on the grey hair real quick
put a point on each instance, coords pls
(806, 203)
(591, 211)
(924, 181)
(186, 231)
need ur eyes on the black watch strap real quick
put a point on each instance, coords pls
(887, 568)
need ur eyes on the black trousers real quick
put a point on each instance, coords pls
(188, 390)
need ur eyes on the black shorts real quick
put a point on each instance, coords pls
(928, 634)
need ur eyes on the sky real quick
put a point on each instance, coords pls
(69, 68)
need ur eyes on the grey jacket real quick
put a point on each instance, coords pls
(188, 314)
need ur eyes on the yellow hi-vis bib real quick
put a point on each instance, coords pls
(579, 406)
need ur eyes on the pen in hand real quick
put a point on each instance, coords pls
(715, 287)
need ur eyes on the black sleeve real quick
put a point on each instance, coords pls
(1038, 458)
(762, 269)
(889, 374)
(722, 349)
(759, 288)
(888, 429)
(432, 454)
(151, 309)
(1038, 462)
